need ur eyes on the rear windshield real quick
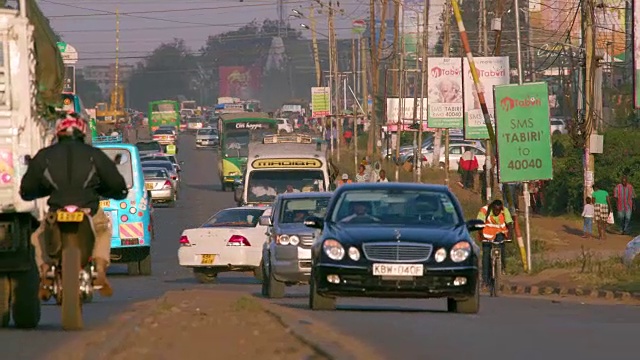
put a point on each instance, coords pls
(155, 173)
(149, 146)
(163, 164)
(126, 169)
(163, 132)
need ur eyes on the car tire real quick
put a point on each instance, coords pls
(470, 305)
(133, 268)
(145, 265)
(171, 204)
(5, 300)
(264, 290)
(25, 307)
(205, 276)
(275, 288)
(317, 301)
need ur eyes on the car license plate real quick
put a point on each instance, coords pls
(398, 269)
(131, 241)
(148, 186)
(105, 203)
(207, 259)
(64, 216)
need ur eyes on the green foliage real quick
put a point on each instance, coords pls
(620, 157)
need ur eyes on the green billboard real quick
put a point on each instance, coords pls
(523, 132)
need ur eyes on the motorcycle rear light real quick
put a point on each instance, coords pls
(167, 184)
(184, 241)
(71, 208)
(238, 240)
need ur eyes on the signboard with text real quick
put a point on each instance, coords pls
(523, 132)
(69, 85)
(320, 101)
(445, 93)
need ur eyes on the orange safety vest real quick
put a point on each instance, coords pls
(342, 182)
(493, 227)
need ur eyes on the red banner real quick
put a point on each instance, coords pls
(239, 81)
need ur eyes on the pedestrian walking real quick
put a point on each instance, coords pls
(587, 216)
(601, 206)
(625, 196)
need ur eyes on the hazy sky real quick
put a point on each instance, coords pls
(89, 25)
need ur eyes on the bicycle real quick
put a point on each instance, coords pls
(496, 267)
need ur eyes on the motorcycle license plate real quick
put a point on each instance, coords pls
(105, 203)
(208, 259)
(148, 186)
(64, 216)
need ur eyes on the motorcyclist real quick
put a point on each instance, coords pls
(72, 172)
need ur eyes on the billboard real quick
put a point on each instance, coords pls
(239, 81)
(320, 101)
(445, 93)
(492, 71)
(393, 111)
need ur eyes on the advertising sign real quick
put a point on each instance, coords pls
(239, 81)
(523, 133)
(636, 53)
(492, 71)
(68, 52)
(445, 93)
(320, 101)
(393, 107)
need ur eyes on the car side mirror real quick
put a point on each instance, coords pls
(314, 222)
(237, 194)
(475, 225)
(265, 220)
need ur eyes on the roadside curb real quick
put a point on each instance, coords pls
(322, 339)
(534, 290)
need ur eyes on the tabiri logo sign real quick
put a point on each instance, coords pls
(437, 72)
(287, 164)
(508, 103)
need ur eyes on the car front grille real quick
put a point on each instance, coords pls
(397, 252)
(306, 240)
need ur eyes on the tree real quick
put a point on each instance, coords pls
(167, 72)
(89, 91)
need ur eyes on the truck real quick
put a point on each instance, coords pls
(31, 85)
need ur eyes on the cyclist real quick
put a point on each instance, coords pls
(498, 227)
(74, 173)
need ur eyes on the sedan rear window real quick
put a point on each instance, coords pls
(155, 174)
(235, 218)
(149, 146)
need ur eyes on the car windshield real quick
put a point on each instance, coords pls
(236, 144)
(265, 185)
(160, 164)
(207, 132)
(149, 146)
(396, 207)
(155, 173)
(296, 210)
(163, 132)
(235, 218)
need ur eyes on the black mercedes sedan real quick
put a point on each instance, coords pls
(395, 240)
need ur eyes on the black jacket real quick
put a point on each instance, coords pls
(72, 173)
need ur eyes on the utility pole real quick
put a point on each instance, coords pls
(589, 44)
(314, 43)
(424, 39)
(437, 144)
(395, 47)
(532, 52)
(336, 80)
(417, 151)
(498, 19)
(376, 50)
(116, 86)
(363, 71)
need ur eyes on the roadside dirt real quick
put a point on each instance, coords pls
(191, 324)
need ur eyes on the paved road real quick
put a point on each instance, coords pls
(506, 328)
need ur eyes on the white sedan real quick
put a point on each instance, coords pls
(231, 240)
(455, 153)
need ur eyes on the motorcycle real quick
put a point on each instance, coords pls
(87, 276)
(69, 242)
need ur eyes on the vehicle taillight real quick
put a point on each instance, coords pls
(167, 184)
(174, 178)
(238, 240)
(184, 241)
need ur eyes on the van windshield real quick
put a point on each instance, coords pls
(125, 169)
(265, 185)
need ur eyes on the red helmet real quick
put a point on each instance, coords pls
(72, 121)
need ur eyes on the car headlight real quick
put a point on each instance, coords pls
(354, 254)
(283, 239)
(233, 173)
(441, 255)
(460, 251)
(294, 240)
(333, 249)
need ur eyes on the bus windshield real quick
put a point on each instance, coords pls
(163, 107)
(236, 144)
(265, 185)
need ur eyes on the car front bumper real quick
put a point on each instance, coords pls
(290, 263)
(359, 281)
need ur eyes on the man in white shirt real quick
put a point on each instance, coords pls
(382, 176)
